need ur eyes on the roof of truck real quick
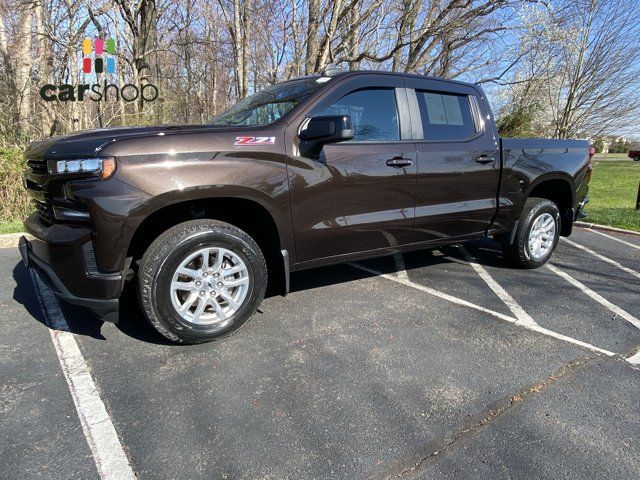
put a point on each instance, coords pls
(401, 74)
(352, 73)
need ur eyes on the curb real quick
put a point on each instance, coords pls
(10, 240)
(595, 226)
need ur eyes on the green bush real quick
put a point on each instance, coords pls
(516, 123)
(598, 145)
(14, 201)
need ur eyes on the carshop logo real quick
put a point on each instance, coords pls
(99, 59)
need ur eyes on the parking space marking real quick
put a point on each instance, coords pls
(628, 244)
(601, 257)
(434, 292)
(634, 359)
(108, 454)
(459, 301)
(565, 338)
(595, 296)
(523, 317)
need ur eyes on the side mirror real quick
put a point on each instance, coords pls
(322, 130)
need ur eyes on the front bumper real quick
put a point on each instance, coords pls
(63, 255)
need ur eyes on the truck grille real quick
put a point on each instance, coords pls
(45, 210)
(37, 166)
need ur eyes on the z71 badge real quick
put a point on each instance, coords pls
(255, 140)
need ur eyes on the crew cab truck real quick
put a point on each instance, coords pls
(313, 171)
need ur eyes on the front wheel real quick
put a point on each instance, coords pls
(537, 234)
(201, 280)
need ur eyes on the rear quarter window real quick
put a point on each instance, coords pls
(446, 116)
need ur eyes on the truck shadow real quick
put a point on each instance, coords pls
(79, 320)
(132, 323)
(486, 252)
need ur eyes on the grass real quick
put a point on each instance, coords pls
(611, 156)
(11, 226)
(612, 191)
(14, 201)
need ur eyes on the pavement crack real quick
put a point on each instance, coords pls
(442, 446)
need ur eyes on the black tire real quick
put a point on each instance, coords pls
(163, 257)
(517, 254)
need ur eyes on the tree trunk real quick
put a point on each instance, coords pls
(354, 32)
(246, 53)
(144, 43)
(23, 69)
(120, 70)
(325, 49)
(312, 37)
(297, 54)
(237, 44)
(44, 59)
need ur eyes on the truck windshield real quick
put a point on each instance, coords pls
(268, 105)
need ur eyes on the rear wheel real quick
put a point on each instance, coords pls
(201, 280)
(536, 236)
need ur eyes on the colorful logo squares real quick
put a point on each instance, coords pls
(98, 64)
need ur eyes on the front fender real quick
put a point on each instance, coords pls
(144, 184)
(278, 208)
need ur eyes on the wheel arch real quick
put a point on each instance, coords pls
(244, 211)
(558, 188)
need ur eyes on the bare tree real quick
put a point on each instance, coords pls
(567, 70)
(140, 17)
(17, 65)
(238, 20)
(580, 69)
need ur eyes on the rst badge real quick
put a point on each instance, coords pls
(255, 140)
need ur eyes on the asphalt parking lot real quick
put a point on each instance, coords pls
(441, 364)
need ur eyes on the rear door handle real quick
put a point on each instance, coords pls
(399, 162)
(485, 159)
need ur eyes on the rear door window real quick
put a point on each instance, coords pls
(446, 116)
(373, 112)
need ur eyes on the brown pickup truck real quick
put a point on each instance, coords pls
(309, 172)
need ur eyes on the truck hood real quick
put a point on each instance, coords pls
(89, 142)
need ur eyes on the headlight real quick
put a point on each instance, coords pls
(105, 166)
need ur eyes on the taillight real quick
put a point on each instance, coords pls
(592, 152)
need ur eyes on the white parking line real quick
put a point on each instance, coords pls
(523, 317)
(601, 257)
(435, 293)
(628, 244)
(459, 301)
(595, 296)
(108, 454)
(564, 338)
(634, 359)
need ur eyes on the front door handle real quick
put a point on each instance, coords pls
(485, 159)
(399, 162)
